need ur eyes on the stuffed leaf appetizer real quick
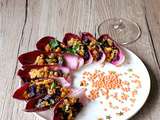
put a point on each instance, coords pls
(39, 87)
(112, 51)
(69, 107)
(90, 42)
(47, 101)
(47, 71)
(75, 46)
(43, 58)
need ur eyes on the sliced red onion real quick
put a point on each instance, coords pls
(73, 61)
(64, 82)
(80, 62)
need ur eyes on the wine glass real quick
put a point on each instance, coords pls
(122, 30)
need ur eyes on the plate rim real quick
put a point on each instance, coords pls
(149, 80)
(145, 99)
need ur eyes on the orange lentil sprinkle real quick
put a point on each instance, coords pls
(134, 93)
(124, 96)
(125, 89)
(93, 94)
(125, 109)
(115, 95)
(83, 83)
(102, 82)
(125, 83)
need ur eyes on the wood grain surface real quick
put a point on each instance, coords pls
(23, 22)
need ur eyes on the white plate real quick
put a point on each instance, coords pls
(132, 69)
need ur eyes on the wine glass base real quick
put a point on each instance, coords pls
(122, 30)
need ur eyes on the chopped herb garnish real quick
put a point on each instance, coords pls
(74, 49)
(70, 50)
(53, 85)
(54, 43)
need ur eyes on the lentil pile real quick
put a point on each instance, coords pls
(101, 82)
(111, 86)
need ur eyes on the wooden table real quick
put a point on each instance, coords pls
(23, 22)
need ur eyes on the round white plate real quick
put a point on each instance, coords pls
(132, 71)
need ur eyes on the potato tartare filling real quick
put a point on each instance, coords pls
(45, 73)
(109, 48)
(76, 47)
(93, 48)
(53, 97)
(54, 46)
(51, 59)
(40, 87)
(69, 108)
